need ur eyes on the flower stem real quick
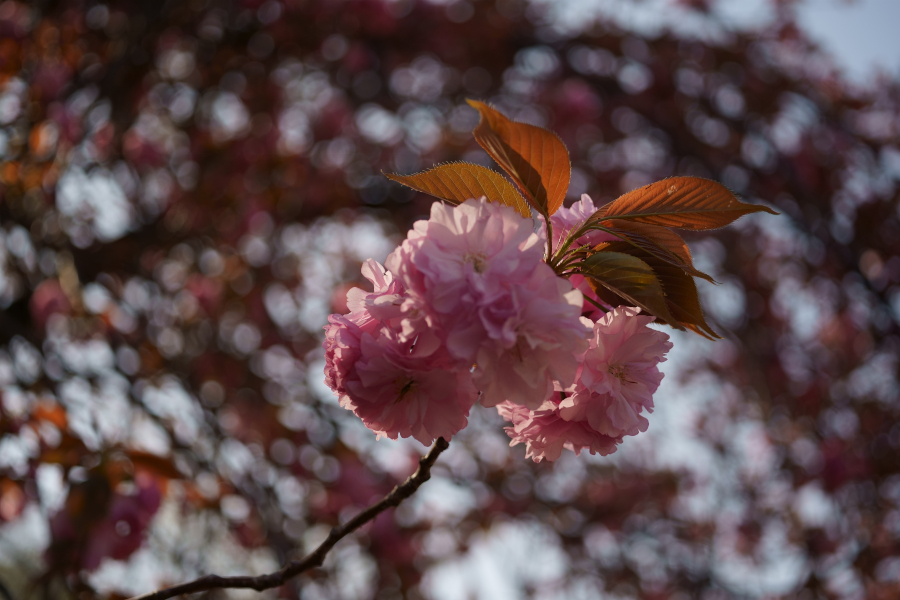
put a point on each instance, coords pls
(549, 238)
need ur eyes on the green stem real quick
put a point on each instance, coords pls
(567, 263)
(565, 246)
(595, 303)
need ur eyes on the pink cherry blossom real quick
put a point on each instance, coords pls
(545, 433)
(392, 370)
(465, 254)
(399, 395)
(368, 309)
(370, 312)
(419, 322)
(342, 350)
(467, 305)
(532, 342)
(619, 374)
(393, 391)
(475, 273)
(567, 218)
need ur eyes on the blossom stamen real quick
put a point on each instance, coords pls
(477, 260)
(408, 386)
(619, 372)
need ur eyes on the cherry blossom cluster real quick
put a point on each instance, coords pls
(465, 310)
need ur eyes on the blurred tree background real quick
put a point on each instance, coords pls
(189, 188)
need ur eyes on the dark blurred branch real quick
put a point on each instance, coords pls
(317, 557)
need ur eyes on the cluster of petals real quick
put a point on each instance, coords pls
(615, 383)
(465, 310)
(387, 381)
(545, 433)
(619, 374)
(465, 307)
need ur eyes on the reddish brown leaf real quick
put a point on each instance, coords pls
(661, 242)
(608, 297)
(632, 279)
(458, 182)
(685, 202)
(682, 299)
(535, 158)
(680, 291)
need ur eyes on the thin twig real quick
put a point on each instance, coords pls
(317, 556)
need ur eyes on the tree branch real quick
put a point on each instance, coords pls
(317, 557)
